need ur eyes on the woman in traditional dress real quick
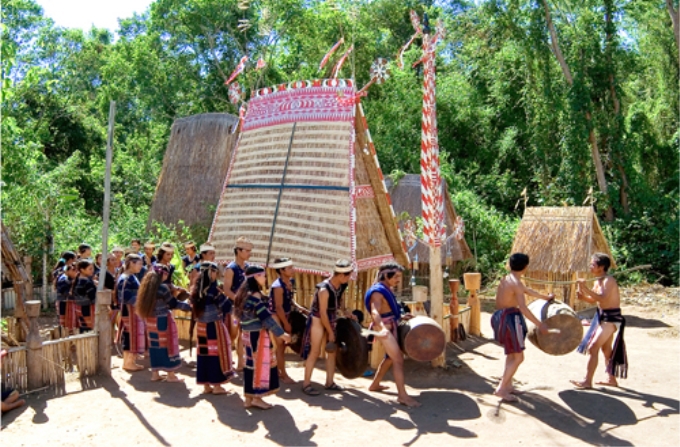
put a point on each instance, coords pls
(65, 303)
(214, 345)
(132, 328)
(66, 260)
(260, 375)
(154, 302)
(164, 256)
(84, 290)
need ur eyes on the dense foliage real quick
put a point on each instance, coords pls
(517, 108)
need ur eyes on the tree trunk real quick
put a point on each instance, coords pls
(595, 152)
(674, 18)
(623, 189)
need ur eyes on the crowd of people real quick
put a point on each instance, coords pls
(237, 313)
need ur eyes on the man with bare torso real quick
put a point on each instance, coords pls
(508, 321)
(386, 313)
(607, 321)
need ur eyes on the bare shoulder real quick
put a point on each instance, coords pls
(610, 282)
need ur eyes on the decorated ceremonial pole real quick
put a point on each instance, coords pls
(430, 178)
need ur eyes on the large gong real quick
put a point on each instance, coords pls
(298, 322)
(352, 353)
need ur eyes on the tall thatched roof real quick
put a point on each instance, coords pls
(406, 198)
(194, 167)
(560, 239)
(300, 185)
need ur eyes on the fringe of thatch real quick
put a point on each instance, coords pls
(560, 239)
(194, 167)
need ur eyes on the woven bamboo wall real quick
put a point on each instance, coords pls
(563, 292)
(312, 225)
(305, 286)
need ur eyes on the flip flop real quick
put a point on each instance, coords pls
(335, 387)
(310, 391)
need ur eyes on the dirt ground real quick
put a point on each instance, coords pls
(457, 402)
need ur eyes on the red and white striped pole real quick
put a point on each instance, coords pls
(430, 178)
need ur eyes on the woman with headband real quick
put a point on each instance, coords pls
(260, 375)
(213, 365)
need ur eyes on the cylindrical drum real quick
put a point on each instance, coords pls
(298, 322)
(421, 338)
(556, 315)
(352, 349)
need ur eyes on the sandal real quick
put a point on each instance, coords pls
(335, 387)
(310, 391)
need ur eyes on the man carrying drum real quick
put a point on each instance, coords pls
(386, 313)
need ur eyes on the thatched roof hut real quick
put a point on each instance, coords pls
(406, 198)
(560, 242)
(305, 183)
(194, 167)
(13, 267)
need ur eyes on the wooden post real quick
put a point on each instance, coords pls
(34, 346)
(104, 330)
(473, 282)
(437, 295)
(28, 285)
(45, 280)
(107, 197)
(454, 308)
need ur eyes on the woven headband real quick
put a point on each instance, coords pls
(207, 247)
(208, 265)
(282, 264)
(347, 269)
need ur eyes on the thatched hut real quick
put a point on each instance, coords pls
(194, 167)
(560, 242)
(407, 199)
(305, 183)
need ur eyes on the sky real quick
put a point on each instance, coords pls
(84, 14)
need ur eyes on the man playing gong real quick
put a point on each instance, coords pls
(386, 313)
(508, 322)
(321, 321)
(607, 321)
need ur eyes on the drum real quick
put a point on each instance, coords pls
(352, 349)
(556, 315)
(298, 323)
(421, 338)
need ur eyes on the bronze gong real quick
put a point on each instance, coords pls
(298, 322)
(352, 352)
